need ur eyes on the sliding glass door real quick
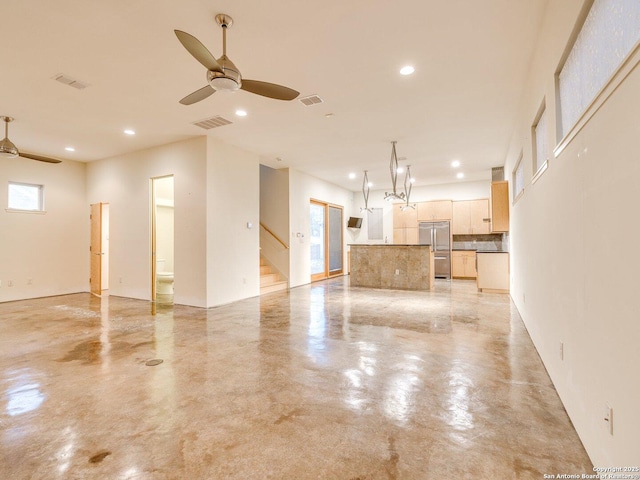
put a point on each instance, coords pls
(326, 240)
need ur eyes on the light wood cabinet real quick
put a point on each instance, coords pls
(406, 218)
(405, 235)
(463, 264)
(499, 207)
(493, 272)
(470, 217)
(435, 210)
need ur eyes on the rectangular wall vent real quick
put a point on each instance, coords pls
(311, 100)
(497, 174)
(212, 122)
(72, 82)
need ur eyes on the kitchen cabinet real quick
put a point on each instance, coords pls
(463, 264)
(405, 235)
(435, 210)
(499, 207)
(406, 218)
(471, 217)
(493, 272)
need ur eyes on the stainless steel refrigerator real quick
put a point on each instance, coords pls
(437, 235)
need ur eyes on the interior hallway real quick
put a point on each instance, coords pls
(319, 382)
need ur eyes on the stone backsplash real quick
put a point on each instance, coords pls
(491, 242)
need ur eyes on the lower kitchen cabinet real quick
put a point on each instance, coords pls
(493, 272)
(463, 264)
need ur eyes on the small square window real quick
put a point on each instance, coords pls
(26, 197)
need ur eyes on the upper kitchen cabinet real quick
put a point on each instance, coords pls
(404, 219)
(499, 207)
(437, 210)
(470, 217)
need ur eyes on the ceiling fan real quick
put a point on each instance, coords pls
(8, 149)
(222, 74)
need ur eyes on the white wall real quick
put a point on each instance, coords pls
(124, 183)
(51, 249)
(303, 188)
(233, 200)
(574, 270)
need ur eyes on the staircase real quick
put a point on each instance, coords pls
(270, 280)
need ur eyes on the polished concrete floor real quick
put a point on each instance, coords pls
(321, 382)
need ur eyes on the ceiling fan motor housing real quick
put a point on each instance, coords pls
(228, 80)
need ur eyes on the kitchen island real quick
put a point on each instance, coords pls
(402, 267)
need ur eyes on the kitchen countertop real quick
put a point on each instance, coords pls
(491, 251)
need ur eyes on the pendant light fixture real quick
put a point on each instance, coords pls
(365, 193)
(393, 170)
(407, 189)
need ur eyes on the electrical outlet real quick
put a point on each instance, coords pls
(608, 417)
(561, 351)
(397, 271)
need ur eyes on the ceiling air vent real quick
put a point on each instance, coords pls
(311, 100)
(497, 174)
(212, 122)
(72, 82)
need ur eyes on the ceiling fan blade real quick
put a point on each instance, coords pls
(39, 158)
(198, 95)
(270, 90)
(198, 50)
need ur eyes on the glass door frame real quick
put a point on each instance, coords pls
(327, 232)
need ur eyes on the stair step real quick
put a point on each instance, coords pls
(269, 279)
(265, 269)
(274, 287)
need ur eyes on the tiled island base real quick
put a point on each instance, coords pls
(402, 267)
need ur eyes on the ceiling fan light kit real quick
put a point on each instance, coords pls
(222, 74)
(9, 150)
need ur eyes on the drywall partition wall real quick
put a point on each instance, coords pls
(124, 183)
(233, 217)
(274, 214)
(453, 191)
(44, 254)
(574, 279)
(302, 188)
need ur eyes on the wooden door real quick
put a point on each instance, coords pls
(479, 216)
(461, 224)
(500, 206)
(95, 249)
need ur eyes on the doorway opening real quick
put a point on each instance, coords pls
(162, 235)
(326, 240)
(99, 249)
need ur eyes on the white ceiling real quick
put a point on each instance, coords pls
(471, 59)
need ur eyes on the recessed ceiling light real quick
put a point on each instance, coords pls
(407, 70)
(455, 163)
(128, 131)
(352, 175)
(400, 170)
(460, 175)
(241, 113)
(70, 149)
(329, 115)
